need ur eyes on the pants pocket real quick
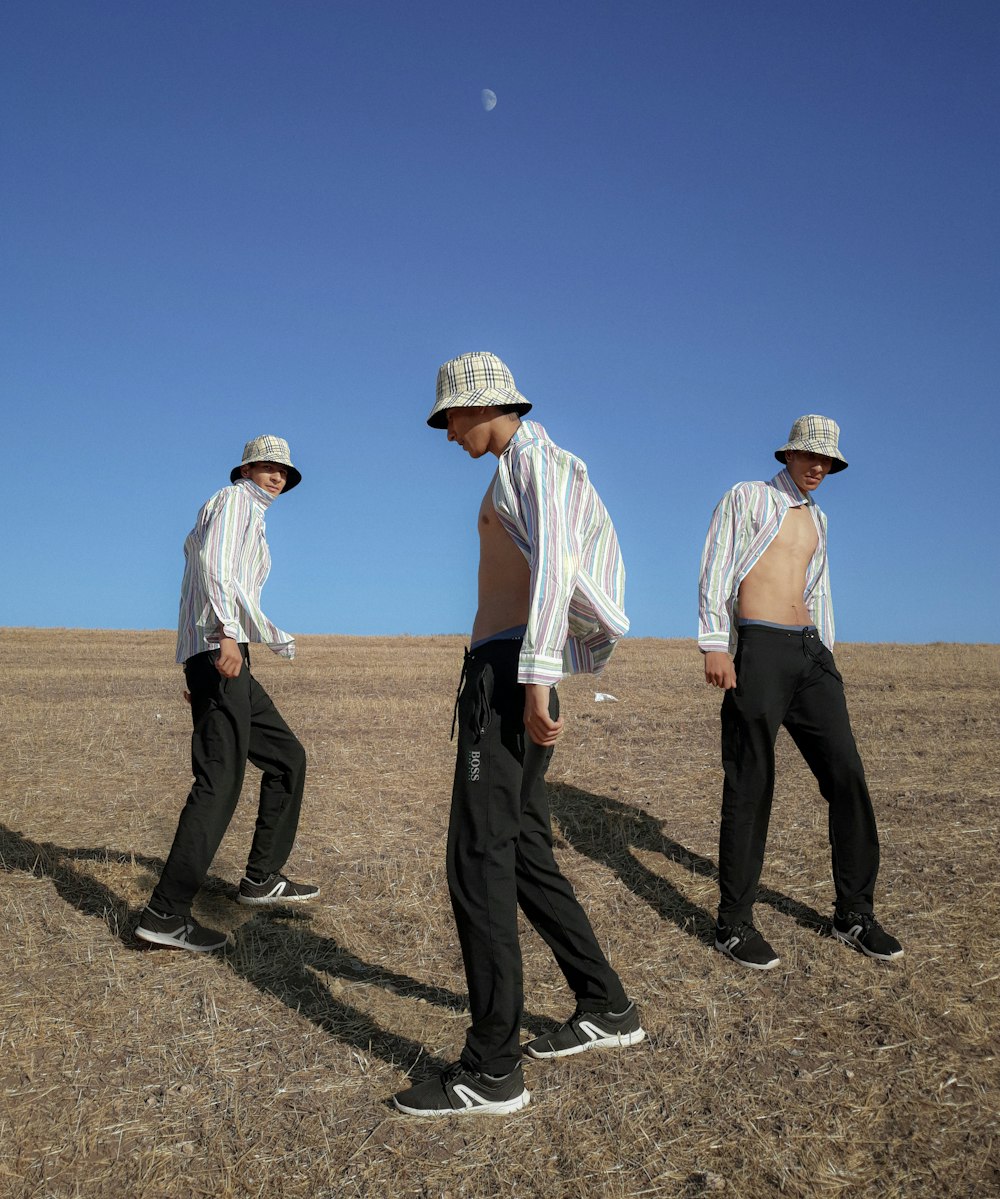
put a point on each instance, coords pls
(475, 707)
(825, 659)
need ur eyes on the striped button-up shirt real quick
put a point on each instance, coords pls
(226, 563)
(744, 524)
(546, 502)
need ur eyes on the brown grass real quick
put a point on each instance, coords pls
(265, 1071)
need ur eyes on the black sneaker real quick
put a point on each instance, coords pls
(275, 889)
(744, 944)
(864, 932)
(589, 1030)
(178, 932)
(458, 1091)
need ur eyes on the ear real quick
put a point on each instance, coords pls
(245, 471)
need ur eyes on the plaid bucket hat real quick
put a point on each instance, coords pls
(267, 448)
(478, 380)
(815, 435)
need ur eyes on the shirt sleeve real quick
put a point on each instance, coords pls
(716, 583)
(818, 599)
(223, 534)
(544, 479)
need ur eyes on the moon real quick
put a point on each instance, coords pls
(489, 99)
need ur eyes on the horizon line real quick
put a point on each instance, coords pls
(417, 636)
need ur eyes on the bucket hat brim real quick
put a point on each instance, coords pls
(485, 397)
(837, 460)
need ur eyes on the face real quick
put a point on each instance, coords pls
(269, 476)
(808, 470)
(473, 429)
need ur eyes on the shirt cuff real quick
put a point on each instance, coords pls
(215, 632)
(714, 643)
(543, 669)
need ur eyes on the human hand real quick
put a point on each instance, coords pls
(229, 663)
(538, 724)
(719, 670)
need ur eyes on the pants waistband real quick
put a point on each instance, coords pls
(496, 650)
(516, 633)
(809, 632)
(209, 655)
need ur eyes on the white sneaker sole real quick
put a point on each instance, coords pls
(508, 1107)
(727, 952)
(263, 901)
(621, 1040)
(856, 944)
(171, 942)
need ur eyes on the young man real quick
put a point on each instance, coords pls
(551, 585)
(227, 562)
(765, 594)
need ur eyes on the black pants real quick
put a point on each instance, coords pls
(789, 678)
(500, 856)
(234, 721)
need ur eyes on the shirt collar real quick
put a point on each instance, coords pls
(784, 483)
(527, 430)
(258, 496)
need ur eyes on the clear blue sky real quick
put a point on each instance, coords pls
(683, 225)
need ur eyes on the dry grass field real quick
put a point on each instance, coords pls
(265, 1071)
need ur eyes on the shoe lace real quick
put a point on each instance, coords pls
(866, 920)
(744, 930)
(450, 1073)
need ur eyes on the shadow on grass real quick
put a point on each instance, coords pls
(278, 954)
(608, 830)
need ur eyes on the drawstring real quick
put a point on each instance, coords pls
(812, 647)
(483, 714)
(458, 693)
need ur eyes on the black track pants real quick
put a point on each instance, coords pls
(500, 856)
(234, 721)
(789, 678)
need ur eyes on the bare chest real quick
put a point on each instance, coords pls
(503, 575)
(797, 537)
(495, 543)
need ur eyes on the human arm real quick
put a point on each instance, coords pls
(545, 479)
(234, 562)
(226, 522)
(817, 594)
(717, 578)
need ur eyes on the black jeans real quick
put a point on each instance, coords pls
(500, 856)
(235, 721)
(789, 678)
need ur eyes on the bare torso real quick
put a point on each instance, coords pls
(773, 589)
(504, 576)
